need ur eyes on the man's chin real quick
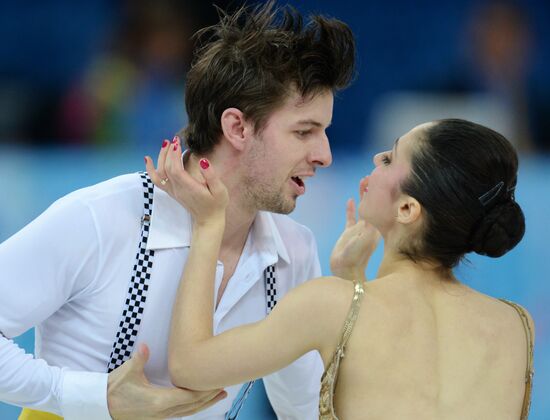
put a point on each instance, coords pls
(282, 207)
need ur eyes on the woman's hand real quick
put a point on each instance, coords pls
(355, 246)
(206, 199)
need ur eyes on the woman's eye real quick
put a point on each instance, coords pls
(303, 133)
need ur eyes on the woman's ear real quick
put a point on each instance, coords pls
(409, 210)
(235, 127)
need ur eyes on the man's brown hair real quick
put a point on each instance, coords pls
(254, 59)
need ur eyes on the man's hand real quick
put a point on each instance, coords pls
(131, 396)
(355, 246)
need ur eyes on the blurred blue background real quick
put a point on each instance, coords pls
(88, 88)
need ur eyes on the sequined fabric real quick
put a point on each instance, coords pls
(529, 372)
(330, 376)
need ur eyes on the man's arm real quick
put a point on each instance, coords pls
(38, 277)
(51, 261)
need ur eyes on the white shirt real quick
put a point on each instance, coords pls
(68, 271)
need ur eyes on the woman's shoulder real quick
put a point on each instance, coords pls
(516, 311)
(324, 292)
(500, 307)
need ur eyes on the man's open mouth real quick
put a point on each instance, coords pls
(297, 180)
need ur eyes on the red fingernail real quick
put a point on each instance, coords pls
(145, 159)
(176, 146)
(204, 164)
(164, 143)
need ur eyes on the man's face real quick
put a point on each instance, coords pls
(292, 144)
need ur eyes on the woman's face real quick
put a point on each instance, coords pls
(379, 204)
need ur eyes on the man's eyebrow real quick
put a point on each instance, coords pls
(313, 122)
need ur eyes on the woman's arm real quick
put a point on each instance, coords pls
(309, 317)
(197, 359)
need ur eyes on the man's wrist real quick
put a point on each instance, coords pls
(84, 396)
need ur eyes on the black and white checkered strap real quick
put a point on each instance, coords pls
(270, 288)
(137, 289)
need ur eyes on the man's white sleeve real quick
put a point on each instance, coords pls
(51, 260)
(294, 390)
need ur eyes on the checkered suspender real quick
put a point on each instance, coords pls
(271, 301)
(270, 288)
(137, 290)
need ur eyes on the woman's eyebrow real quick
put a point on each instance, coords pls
(395, 146)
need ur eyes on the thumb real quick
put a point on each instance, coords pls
(140, 357)
(214, 183)
(350, 213)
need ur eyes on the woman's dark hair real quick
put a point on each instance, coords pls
(464, 176)
(253, 59)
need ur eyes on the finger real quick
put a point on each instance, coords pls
(153, 174)
(188, 400)
(140, 357)
(207, 403)
(173, 164)
(161, 160)
(363, 186)
(199, 404)
(350, 213)
(213, 182)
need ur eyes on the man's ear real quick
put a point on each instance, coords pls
(235, 128)
(409, 210)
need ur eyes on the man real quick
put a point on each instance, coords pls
(259, 98)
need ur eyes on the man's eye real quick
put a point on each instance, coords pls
(386, 160)
(303, 133)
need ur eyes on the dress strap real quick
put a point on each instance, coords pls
(530, 346)
(330, 376)
(352, 315)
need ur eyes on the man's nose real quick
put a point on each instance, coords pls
(321, 155)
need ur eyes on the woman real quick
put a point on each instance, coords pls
(417, 342)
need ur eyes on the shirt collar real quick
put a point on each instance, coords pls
(266, 235)
(171, 223)
(171, 227)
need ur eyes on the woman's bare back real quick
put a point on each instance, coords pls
(431, 351)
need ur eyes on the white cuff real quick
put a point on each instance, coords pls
(84, 396)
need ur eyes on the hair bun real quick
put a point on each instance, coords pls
(499, 230)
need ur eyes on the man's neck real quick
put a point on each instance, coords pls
(238, 218)
(237, 227)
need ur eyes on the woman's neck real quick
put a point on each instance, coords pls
(394, 262)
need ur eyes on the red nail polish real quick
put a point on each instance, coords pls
(164, 143)
(145, 159)
(175, 146)
(204, 164)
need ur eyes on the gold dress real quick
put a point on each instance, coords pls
(529, 372)
(330, 376)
